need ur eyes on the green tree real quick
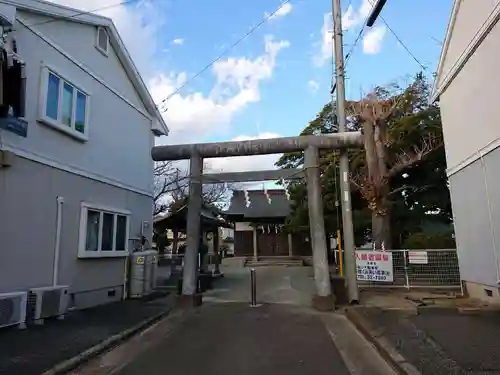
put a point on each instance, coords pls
(409, 186)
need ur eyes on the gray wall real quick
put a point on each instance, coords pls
(475, 196)
(469, 106)
(28, 193)
(469, 109)
(120, 139)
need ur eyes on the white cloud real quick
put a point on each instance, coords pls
(283, 11)
(325, 52)
(195, 116)
(191, 116)
(313, 85)
(372, 42)
(352, 17)
(245, 163)
(349, 18)
(178, 41)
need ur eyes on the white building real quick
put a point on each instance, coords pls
(77, 188)
(467, 87)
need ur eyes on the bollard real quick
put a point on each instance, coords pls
(253, 288)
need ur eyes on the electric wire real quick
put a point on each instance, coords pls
(351, 50)
(403, 44)
(223, 53)
(85, 12)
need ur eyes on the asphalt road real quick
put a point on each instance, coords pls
(233, 339)
(228, 337)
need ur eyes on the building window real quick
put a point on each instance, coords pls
(64, 105)
(102, 43)
(103, 232)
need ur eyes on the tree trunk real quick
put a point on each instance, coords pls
(381, 230)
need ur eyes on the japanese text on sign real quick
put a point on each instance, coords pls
(374, 266)
(418, 257)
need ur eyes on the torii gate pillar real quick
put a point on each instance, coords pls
(311, 144)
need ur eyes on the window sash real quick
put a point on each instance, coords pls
(116, 241)
(79, 103)
(81, 112)
(92, 236)
(52, 96)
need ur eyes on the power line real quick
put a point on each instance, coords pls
(351, 50)
(397, 37)
(437, 41)
(349, 4)
(82, 13)
(360, 34)
(356, 41)
(403, 44)
(220, 56)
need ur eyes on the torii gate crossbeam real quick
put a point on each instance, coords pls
(311, 145)
(257, 146)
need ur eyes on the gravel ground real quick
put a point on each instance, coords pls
(442, 343)
(472, 341)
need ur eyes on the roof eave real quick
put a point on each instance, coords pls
(158, 127)
(57, 10)
(434, 96)
(436, 90)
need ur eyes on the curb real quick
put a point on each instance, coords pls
(433, 309)
(72, 363)
(386, 350)
(480, 311)
(462, 310)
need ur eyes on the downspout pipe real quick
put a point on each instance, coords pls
(57, 246)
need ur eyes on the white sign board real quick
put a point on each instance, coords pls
(374, 266)
(418, 257)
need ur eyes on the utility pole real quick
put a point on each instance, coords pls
(345, 188)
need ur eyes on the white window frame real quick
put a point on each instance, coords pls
(99, 48)
(111, 253)
(57, 124)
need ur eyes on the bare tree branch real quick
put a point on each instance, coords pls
(410, 187)
(167, 179)
(408, 158)
(171, 187)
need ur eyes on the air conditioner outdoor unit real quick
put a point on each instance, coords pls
(46, 302)
(13, 309)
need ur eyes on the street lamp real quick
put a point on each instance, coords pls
(377, 8)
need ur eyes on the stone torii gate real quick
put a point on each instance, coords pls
(311, 144)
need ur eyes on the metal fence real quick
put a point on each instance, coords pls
(432, 268)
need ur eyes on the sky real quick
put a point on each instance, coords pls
(277, 79)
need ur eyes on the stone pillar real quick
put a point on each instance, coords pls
(216, 244)
(175, 241)
(324, 299)
(290, 245)
(255, 255)
(190, 272)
